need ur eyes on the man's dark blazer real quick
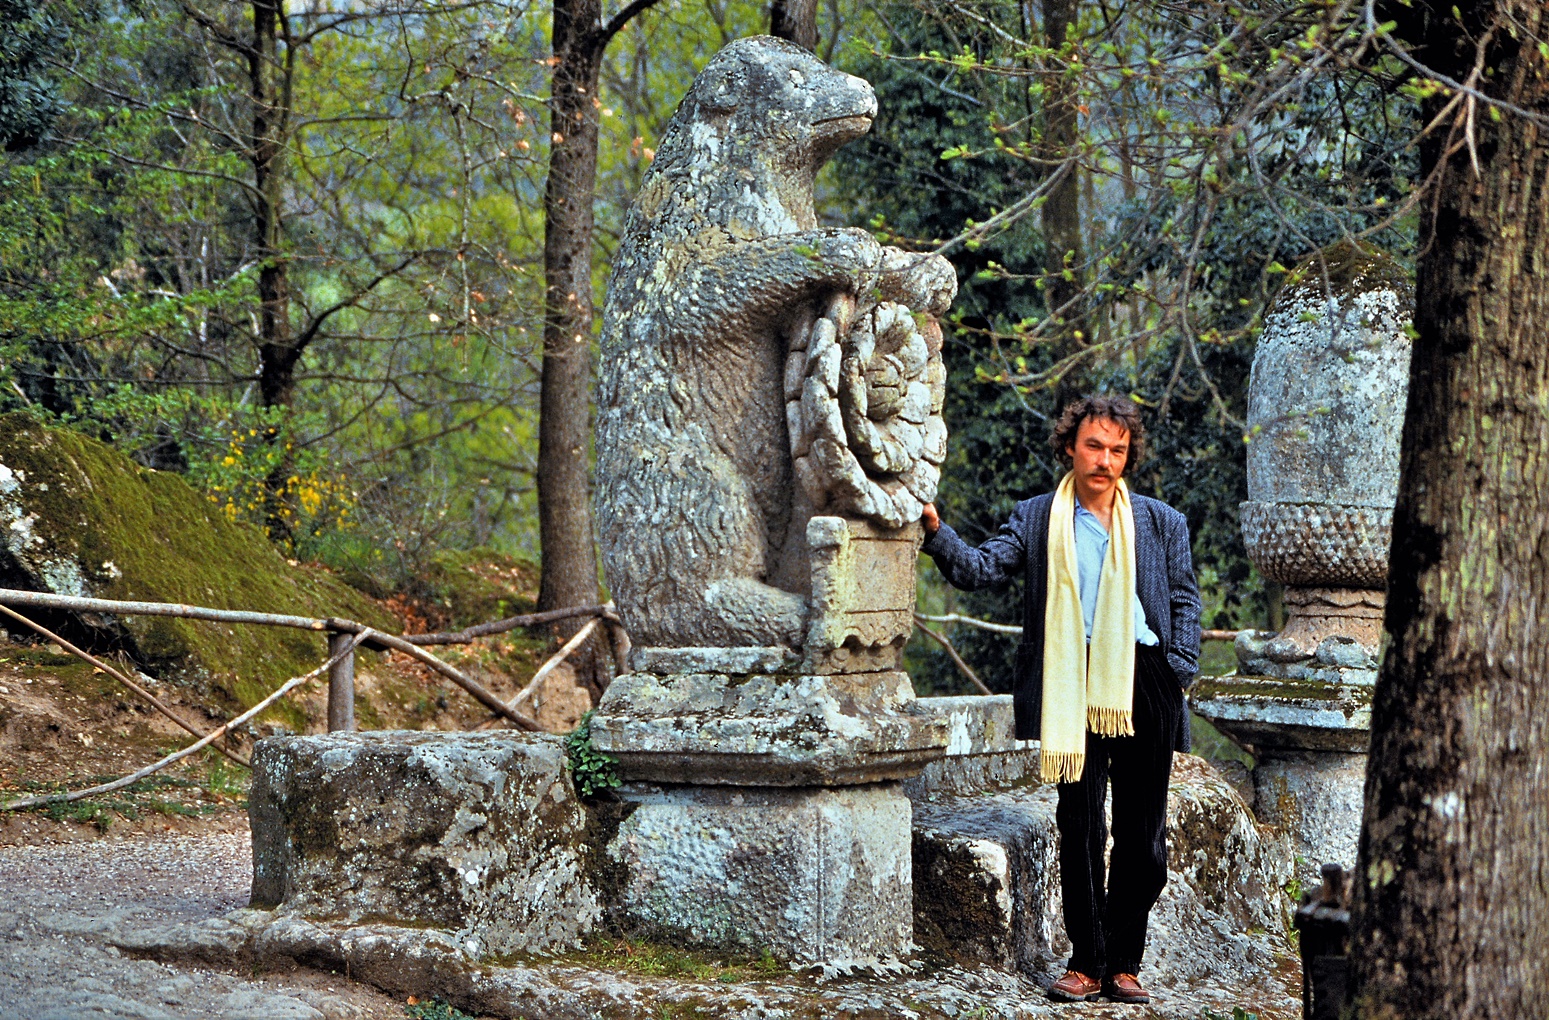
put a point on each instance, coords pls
(1164, 580)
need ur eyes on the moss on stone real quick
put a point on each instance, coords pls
(1353, 267)
(104, 527)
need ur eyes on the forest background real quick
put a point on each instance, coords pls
(295, 252)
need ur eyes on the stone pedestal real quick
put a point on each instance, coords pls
(1309, 740)
(1325, 413)
(763, 781)
(810, 873)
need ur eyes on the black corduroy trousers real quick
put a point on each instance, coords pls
(1106, 921)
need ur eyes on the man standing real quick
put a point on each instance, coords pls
(1110, 638)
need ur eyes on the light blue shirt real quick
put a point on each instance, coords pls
(1091, 549)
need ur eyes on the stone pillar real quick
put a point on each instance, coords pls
(767, 808)
(1325, 412)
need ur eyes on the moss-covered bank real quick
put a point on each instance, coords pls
(79, 518)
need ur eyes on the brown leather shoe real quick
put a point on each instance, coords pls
(1125, 988)
(1074, 987)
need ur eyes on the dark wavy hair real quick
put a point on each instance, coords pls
(1119, 410)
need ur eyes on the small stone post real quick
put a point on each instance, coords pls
(1323, 920)
(341, 684)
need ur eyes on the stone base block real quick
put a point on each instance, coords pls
(767, 730)
(1316, 796)
(814, 875)
(479, 835)
(986, 872)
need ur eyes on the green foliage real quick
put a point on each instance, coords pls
(1237, 1013)
(29, 100)
(413, 176)
(434, 1010)
(1186, 240)
(591, 770)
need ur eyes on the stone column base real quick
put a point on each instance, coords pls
(812, 874)
(1316, 797)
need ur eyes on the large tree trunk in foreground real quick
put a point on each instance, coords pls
(1451, 911)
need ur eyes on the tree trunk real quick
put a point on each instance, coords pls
(569, 570)
(266, 152)
(1062, 212)
(278, 354)
(1451, 906)
(795, 20)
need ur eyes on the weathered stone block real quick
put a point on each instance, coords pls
(1316, 796)
(987, 879)
(477, 834)
(812, 874)
(862, 608)
(766, 730)
(987, 883)
(982, 752)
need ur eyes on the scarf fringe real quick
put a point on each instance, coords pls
(1110, 722)
(1061, 766)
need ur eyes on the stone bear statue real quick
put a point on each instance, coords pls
(722, 264)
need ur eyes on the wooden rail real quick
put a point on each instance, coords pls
(344, 637)
(341, 673)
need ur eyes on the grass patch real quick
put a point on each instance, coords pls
(222, 786)
(657, 959)
(133, 533)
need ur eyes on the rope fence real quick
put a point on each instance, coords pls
(345, 636)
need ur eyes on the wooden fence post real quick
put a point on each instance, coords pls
(341, 684)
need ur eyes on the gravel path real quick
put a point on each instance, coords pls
(60, 903)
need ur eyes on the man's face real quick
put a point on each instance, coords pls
(1098, 455)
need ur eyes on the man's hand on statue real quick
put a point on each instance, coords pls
(930, 519)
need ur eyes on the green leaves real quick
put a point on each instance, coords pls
(591, 770)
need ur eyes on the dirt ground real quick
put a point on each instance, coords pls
(64, 900)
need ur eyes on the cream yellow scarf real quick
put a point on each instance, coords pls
(1086, 689)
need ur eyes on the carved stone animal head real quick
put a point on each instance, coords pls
(770, 113)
